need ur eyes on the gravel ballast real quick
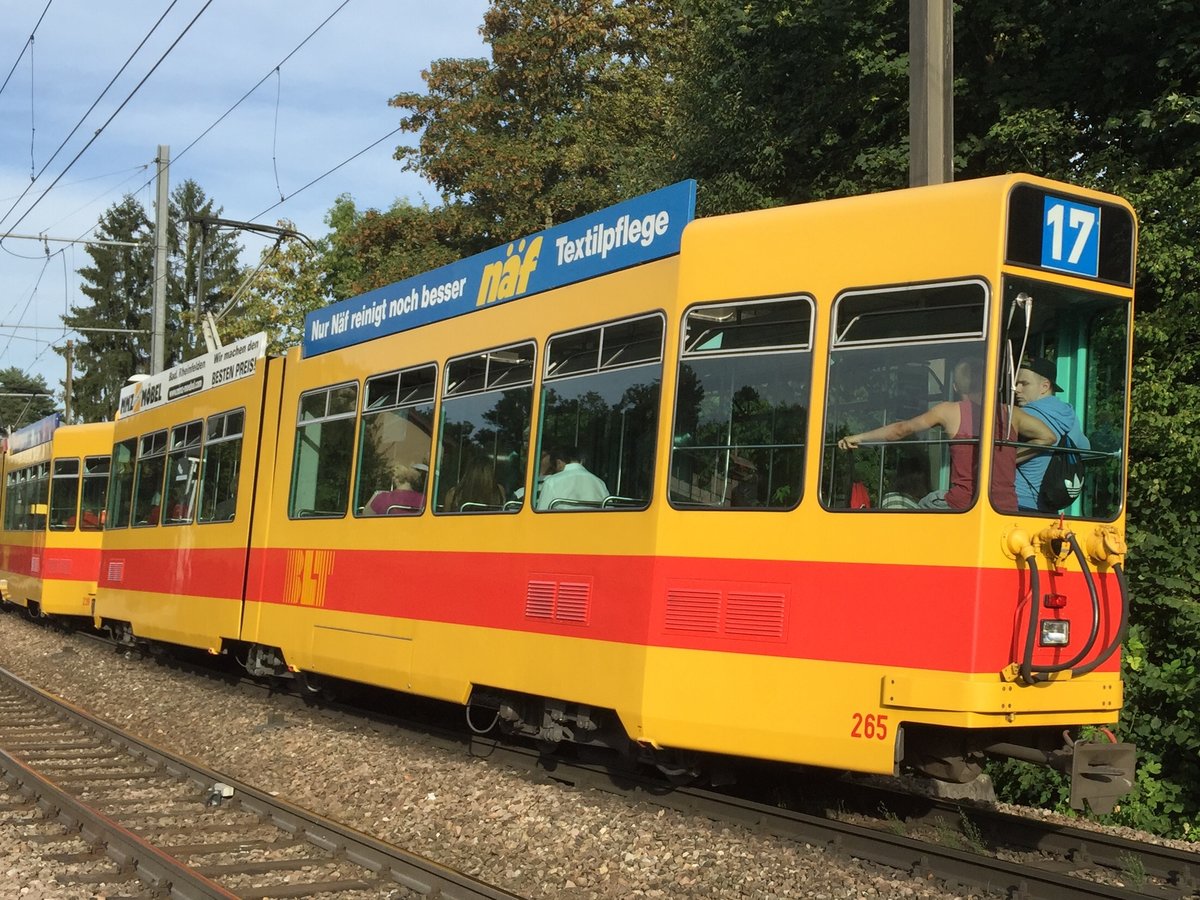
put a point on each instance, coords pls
(534, 839)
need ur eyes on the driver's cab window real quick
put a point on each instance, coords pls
(1063, 356)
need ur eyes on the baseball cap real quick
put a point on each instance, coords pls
(1046, 369)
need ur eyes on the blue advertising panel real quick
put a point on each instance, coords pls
(628, 234)
(40, 432)
(1071, 237)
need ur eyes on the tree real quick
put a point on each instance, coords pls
(115, 340)
(18, 411)
(371, 249)
(119, 284)
(569, 117)
(222, 272)
(786, 101)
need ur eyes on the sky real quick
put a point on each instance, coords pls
(327, 103)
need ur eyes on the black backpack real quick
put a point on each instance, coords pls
(1063, 481)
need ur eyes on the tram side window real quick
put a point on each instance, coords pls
(120, 494)
(148, 478)
(95, 491)
(41, 498)
(896, 353)
(26, 497)
(324, 451)
(600, 402)
(222, 461)
(64, 494)
(741, 405)
(183, 472)
(484, 431)
(395, 442)
(11, 497)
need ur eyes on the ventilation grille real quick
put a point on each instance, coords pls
(734, 613)
(551, 600)
(694, 611)
(754, 615)
(116, 571)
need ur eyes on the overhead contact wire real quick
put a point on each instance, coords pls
(28, 41)
(83, 118)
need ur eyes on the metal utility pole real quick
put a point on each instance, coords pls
(67, 384)
(930, 91)
(158, 343)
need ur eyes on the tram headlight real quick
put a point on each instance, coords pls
(1056, 633)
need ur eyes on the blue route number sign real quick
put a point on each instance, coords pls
(1070, 237)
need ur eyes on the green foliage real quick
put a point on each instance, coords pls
(119, 283)
(371, 249)
(784, 101)
(16, 412)
(569, 116)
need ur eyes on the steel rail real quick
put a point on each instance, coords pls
(390, 866)
(121, 845)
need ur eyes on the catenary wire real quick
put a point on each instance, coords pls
(328, 173)
(83, 118)
(25, 46)
(256, 86)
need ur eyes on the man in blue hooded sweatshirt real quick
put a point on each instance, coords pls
(1036, 387)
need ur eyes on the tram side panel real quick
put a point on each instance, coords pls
(442, 603)
(175, 549)
(78, 489)
(27, 484)
(813, 634)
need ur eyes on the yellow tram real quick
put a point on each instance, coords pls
(589, 485)
(55, 480)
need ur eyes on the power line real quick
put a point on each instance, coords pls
(329, 172)
(257, 85)
(25, 46)
(83, 118)
(116, 112)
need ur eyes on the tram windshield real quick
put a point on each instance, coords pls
(1064, 355)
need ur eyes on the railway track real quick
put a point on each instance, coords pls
(172, 828)
(965, 846)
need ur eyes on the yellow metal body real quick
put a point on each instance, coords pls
(757, 704)
(182, 583)
(55, 567)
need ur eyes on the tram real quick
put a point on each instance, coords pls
(733, 582)
(55, 481)
(187, 447)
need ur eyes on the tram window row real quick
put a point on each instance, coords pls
(193, 465)
(61, 496)
(459, 437)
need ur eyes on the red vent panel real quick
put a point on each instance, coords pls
(694, 611)
(549, 599)
(754, 615)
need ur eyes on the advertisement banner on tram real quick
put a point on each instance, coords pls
(637, 231)
(229, 363)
